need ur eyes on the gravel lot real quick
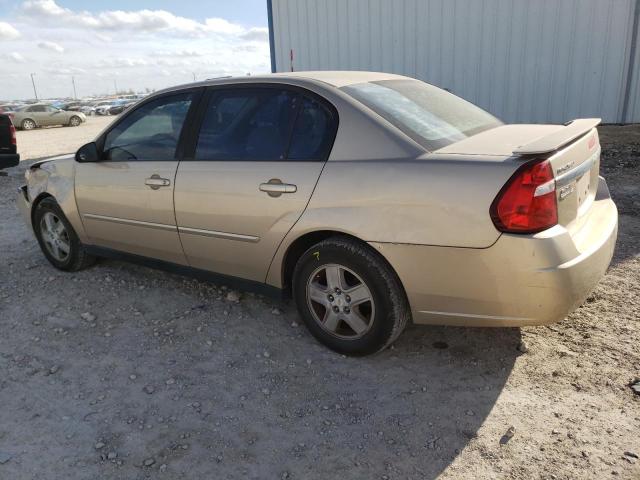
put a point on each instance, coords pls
(123, 372)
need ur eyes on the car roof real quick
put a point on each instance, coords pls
(340, 78)
(335, 79)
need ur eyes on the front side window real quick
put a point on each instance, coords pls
(429, 115)
(247, 124)
(151, 132)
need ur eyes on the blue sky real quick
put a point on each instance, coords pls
(136, 45)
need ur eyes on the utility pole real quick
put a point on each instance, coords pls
(115, 85)
(194, 76)
(73, 80)
(34, 86)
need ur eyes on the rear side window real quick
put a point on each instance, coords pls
(151, 132)
(429, 115)
(313, 132)
(247, 124)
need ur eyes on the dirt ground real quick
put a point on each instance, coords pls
(123, 372)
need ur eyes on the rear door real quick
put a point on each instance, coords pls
(126, 200)
(254, 165)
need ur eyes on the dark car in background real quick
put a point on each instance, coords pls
(8, 150)
(120, 106)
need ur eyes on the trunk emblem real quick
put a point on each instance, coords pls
(564, 168)
(566, 191)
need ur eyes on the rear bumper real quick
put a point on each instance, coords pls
(520, 280)
(24, 205)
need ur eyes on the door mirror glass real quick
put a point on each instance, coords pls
(87, 153)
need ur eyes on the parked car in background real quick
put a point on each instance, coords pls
(8, 146)
(103, 108)
(375, 199)
(120, 106)
(43, 115)
(71, 106)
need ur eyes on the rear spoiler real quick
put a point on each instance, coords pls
(558, 139)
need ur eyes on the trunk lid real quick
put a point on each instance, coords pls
(576, 168)
(573, 151)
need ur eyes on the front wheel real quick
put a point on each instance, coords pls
(349, 297)
(57, 239)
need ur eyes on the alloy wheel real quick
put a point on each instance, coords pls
(340, 301)
(55, 236)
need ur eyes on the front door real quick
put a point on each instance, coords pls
(126, 200)
(257, 159)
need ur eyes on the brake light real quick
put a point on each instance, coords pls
(527, 202)
(12, 129)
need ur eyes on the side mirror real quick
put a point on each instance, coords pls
(87, 153)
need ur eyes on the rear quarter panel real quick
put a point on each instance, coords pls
(439, 200)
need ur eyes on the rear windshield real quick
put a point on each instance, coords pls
(429, 115)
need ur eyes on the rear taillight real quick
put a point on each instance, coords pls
(527, 203)
(12, 129)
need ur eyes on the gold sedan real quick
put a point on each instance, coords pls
(373, 199)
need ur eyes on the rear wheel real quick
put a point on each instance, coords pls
(75, 121)
(28, 124)
(57, 239)
(349, 297)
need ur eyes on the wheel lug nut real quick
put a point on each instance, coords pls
(347, 298)
(330, 297)
(336, 309)
(338, 291)
(347, 309)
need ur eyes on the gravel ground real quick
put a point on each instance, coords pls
(123, 372)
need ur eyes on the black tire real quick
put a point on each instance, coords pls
(75, 121)
(77, 258)
(391, 313)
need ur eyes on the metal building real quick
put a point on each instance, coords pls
(522, 60)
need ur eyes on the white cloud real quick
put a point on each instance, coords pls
(220, 25)
(103, 37)
(15, 57)
(122, 62)
(7, 32)
(256, 34)
(54, 47)
(141, 49)
(65, 70)
(176, 53)
(134, 20)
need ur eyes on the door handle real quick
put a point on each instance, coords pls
(155, 181)
(275, 187)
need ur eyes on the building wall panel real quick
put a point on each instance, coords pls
(524, 61)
